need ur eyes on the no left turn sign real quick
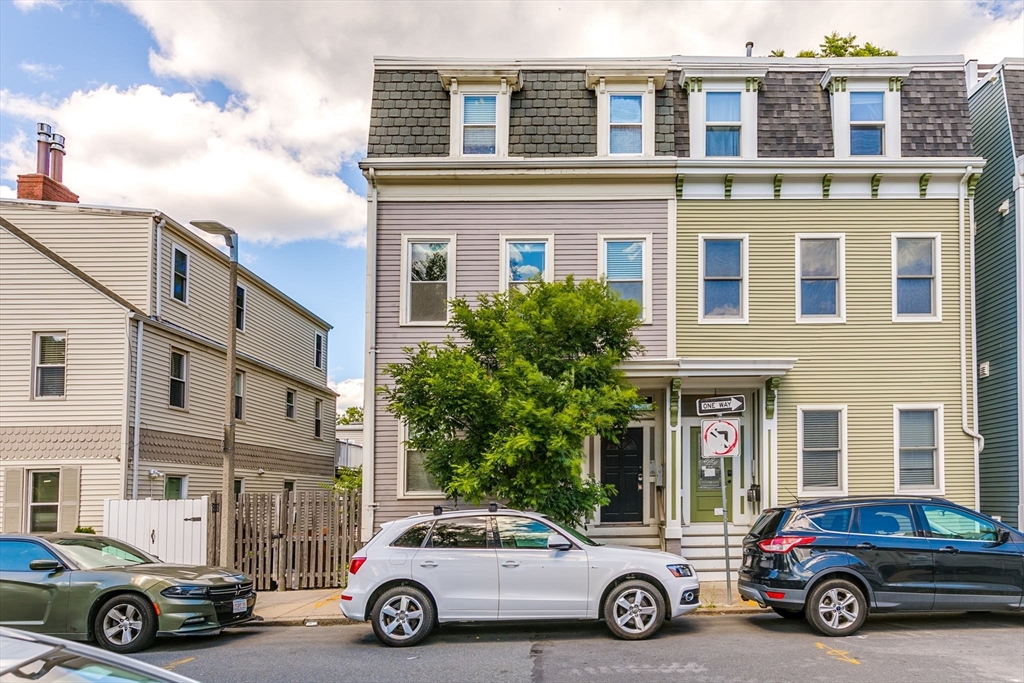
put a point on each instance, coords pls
(720, 438)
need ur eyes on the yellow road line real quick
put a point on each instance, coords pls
(838, 654)
(170, 667)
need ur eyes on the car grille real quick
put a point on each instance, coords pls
(222, 598)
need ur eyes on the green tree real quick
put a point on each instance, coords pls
(347, 479)
(835, 45)
(505, 413)
(353, 415)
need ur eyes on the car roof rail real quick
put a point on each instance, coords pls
(863, 498)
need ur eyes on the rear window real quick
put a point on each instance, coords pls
(413, 536)
(768, 523)
(823, 520)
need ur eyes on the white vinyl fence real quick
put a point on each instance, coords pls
(173, 530)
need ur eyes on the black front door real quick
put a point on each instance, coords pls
(622, 465)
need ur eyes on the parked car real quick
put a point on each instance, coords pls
(84, 587)
(487, 565)
(33, 657)
(836, 559)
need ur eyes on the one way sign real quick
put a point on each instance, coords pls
(720, 405)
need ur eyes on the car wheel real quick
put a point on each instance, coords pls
(789, 613)
(402, 616)
(837, 608)
(634, 610)
(125, 623)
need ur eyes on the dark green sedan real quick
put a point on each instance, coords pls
(87, 587)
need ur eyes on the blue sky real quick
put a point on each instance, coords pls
(256, 113)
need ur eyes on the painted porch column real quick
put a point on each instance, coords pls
(673, 501)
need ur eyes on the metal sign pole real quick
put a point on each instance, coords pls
(725, 532)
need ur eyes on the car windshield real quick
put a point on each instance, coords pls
(578, 535)
(94, 553)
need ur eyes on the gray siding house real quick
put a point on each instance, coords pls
(997, 121)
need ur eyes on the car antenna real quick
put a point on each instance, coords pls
(795, 499)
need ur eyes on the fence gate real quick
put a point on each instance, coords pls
(173, 530)
(290, 540)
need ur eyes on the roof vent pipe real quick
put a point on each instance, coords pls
(57, 158)
(750, 48)
(43, 137)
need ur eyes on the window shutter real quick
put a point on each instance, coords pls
(14, 500)
(70, 492)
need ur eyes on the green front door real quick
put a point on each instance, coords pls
(706, 483)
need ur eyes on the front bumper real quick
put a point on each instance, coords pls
(791, 598)
(685, 597)
(185, 616)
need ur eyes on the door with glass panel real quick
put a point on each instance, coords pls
(706, 480)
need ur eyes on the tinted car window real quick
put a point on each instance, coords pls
(98, 551)
(413, 536)
(767, 523)
(16, 555)
(823, 520)
(523, 532)
(467, 532)
(946, 522)
(884, 520)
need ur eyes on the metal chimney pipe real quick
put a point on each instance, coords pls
(43, 131)
(750, 48)
(57, 158)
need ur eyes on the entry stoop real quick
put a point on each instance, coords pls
(703, 546)
(633, 536)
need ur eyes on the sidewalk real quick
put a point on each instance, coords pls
(321, 607)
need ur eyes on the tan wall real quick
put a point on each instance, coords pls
(869, 362)
(203, 480)
(98, 481)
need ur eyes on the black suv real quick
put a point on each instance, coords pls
(835, 559)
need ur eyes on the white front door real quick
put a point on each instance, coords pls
(459, 570)
(536, 582)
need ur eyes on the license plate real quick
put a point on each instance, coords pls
(239, 605)
(748, 561)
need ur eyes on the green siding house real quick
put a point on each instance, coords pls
(997, 122)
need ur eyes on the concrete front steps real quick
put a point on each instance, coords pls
(635, 536)
(703, 546)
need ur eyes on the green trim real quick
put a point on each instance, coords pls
(679, 187)
(826, 185)
(923, 184)
(778, 185)
(728, 185)
(753, 84)
(895, 84)
(673, 403)
(771, 387)
(876, 180)
(972, 184)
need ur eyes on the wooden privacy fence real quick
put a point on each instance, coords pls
(290, 540)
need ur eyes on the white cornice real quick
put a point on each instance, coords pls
(470, 76)
(734, 71)
(874, 71)
(617, 75)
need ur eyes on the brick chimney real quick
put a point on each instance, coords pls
(45, 184)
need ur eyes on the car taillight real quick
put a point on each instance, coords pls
(355, 564)
(783, 544)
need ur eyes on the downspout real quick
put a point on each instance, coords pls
(159, 265)
(974, 359)
(979, 440)
(138, 408)
(370, 358)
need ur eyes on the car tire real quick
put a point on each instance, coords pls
(402, 616)
(634, 610)
(789, 613)
(125, 623)
(836, 607)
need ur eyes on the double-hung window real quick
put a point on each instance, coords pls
(44, 501)
(625, 110)
(241, 294)
(916, 287)
(50, 364)
(179, 379)
(239, 395)
(428, 267)
(318, 350)
(867, 123)
(722, 124)
(414, 479)
(179, 275)
(525, 260)
(626, 265)
(626, 124)
(479, 124)
(820, 284)
(821, 432)
(318, 421)
(480, 104)
(723, 289)
(289, 404)
(918, 432)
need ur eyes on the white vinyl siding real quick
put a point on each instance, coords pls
(821, 450)
(50, 372)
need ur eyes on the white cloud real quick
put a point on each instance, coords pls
(29, 5)
(38, 71)
(350, 393)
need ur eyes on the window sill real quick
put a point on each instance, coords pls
(723, 321)
(421, 495)
(179, 301)
(177, 409)
(919, 492)
(917, 319)
(50, 398)
(424, 323)
(820, 320)
(822, 493)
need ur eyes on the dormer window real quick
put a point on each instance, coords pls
(866, 109)
(867, 123)
(625, 110)
(723, 111)
(722, 122)
(626, 124)
(479, 124)
(480, 110)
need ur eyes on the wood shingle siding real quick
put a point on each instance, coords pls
(794, 116)
(409, 115)
(554, 114)
(934, 115)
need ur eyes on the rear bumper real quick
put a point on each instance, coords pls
(790, 598)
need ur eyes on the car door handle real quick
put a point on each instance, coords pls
(510, 563)
(949, 550)
(428, 563)
(866, 546)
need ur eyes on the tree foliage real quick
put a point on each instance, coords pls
(347, 479)
(505, 412)
(353, 415)
(835, 45)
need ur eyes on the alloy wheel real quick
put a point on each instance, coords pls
(635, 610)
(401, 617)
(122, 624)
(839, 608)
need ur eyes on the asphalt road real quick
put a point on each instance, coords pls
(889, 649)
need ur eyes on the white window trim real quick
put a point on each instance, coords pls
(318, 406)
(318, 338)
(184, 484)
(171, 378)
(605, 90)
(748, 116)
(241, 385)
(188, 274)
(936, 316)
(744, 279)
(891, 139)
(403, 303)
(502, 105)
(602, 265)
(28, 498)
(294, 403)
(245, 308)
(403, 435)
(840, 316)
(940, 446)
(549, 256)
(844, 459)
(34, 382)
(241, 487)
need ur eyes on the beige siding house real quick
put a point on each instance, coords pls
(97, 301)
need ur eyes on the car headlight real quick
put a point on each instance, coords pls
(185, 592)
(680, 570)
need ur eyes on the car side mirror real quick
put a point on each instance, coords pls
(1002, 536)
(45, 565)
(558, 542)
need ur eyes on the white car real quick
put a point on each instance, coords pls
(488, 565)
